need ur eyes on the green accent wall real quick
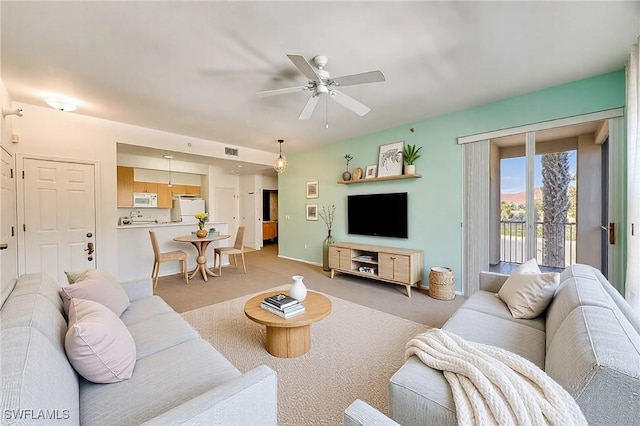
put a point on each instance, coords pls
(435, 200)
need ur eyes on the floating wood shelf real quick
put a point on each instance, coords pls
(348, 182)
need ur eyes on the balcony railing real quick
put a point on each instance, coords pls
(513, 242)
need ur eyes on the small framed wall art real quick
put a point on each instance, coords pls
(390, 159)
(370, 172)
(312, 189)
(312, 211)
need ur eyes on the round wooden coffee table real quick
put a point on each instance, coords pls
(288, 338)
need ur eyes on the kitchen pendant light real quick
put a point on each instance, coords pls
(281, 162)
(169, 157)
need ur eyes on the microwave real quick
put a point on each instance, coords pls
(145, 199)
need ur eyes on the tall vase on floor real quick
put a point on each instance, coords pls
(298, 290)
(327, 214)
(325, 251)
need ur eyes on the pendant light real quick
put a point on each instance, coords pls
(281, 162)
(169, 157)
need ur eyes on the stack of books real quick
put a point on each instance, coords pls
(282, 305)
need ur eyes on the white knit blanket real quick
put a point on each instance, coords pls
(494, 386)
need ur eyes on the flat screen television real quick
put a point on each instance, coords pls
(381, 215)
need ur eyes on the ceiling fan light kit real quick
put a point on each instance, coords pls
(321, 83)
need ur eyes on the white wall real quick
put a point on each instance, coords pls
(48, 132)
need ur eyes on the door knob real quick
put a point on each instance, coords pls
(4, 246)
(89, 248)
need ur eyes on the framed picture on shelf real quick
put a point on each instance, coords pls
(390, 159)
(312, 211)
(312, 189)
(370, 171)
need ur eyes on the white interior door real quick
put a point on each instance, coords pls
(248, 218)
(59, 216)
(8, 237)
(225, 208)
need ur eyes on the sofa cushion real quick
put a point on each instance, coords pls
(595, 358)
(487, 302)
(417, 392)
(161, 332)
(143, 309)
(99, 288)
(98, 344)
(572, 293)
(526, 293)
(36, 374)
(154, 389)
(479, 327)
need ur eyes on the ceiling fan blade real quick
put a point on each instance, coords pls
(282, 91)
(305, 67)
(309, 107)
(349, 103)
(362, 78)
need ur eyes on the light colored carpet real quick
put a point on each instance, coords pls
(354, 352)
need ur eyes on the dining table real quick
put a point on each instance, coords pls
(201, 244)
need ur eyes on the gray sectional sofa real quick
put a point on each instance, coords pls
(178, 377)
(587, 340)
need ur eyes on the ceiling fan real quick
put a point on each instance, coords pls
(321, 83)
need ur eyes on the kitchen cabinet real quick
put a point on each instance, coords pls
(177, 190)
(269, 230)
(192, 189)
(148, 187)
(185, 190)
(125, 186)
(164, 196)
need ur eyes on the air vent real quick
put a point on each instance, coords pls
(231, 151)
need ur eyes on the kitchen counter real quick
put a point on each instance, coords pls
(135, 254)
(167, 224)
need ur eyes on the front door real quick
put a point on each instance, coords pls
(58, 214)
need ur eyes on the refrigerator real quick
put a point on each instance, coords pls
(185, 207)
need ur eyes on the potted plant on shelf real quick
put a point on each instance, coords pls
(410, 154)
(347, 174)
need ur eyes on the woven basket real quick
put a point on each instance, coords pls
(441, 283)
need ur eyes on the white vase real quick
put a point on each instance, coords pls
(410, 169)
(298, 290)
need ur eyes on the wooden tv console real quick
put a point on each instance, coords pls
(394, 265)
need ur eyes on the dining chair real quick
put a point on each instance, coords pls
(169, 256)
(237, 249)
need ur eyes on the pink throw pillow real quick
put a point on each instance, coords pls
(98, 344)
(100, 288)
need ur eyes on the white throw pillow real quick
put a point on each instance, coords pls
(99, 287)
(98, 344)
(527, 292)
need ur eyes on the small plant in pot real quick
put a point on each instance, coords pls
(410, 155)
(347, 174)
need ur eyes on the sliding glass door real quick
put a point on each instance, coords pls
(541, 185)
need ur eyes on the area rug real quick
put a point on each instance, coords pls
(354, 352)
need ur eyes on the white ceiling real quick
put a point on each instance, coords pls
(193, 67)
